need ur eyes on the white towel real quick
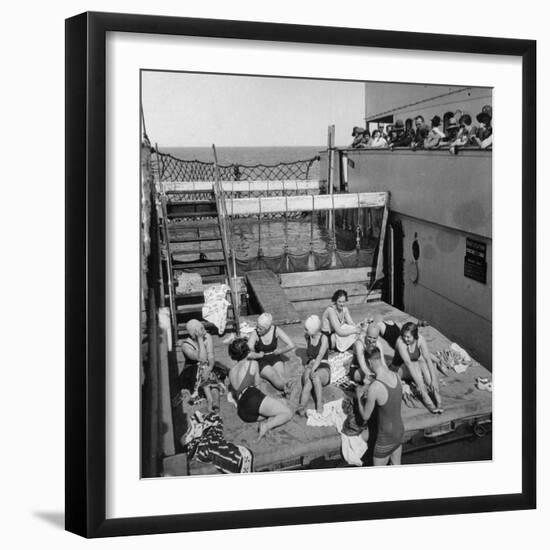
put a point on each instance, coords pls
(215, 305)
(332, 415)
(353, 447)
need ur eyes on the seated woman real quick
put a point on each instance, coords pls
(317, 370)
(252, 404)
(337, 323)
(199, 361)
(264, 346)
(412, 361)
(385, 393)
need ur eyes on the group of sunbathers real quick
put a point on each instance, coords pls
(261, 355)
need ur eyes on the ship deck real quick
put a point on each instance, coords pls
(296, 445)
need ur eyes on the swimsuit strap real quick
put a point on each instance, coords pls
(245, 382)
(191, 343)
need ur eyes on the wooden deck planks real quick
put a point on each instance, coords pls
(271, 297)
(296, 441)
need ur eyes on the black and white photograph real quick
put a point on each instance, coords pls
(316, 273)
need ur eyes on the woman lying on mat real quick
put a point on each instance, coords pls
(413, 361)
(252, 404)
(317, 370)
(337, 323)
(265, 347)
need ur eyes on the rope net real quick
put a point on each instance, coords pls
(310, 261)
(170, 168)
(299, 245)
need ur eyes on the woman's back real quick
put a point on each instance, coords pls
(241, 376)
(389, 414)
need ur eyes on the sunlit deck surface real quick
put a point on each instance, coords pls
(296, 444)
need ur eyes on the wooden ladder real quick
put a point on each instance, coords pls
(195, 227)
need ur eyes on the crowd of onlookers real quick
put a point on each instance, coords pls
(453, 131)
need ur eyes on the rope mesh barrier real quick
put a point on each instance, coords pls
(171, 168)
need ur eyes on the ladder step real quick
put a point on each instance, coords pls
(193, 239)
(205, 251)
(196, 296)
(204, 214)
(192, 224)
(191, 203)
(188, 295)
(189, 192)
(211, 279)
(192, 308)
(198, 265)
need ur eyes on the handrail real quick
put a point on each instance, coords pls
(231, 267)
(170, 274)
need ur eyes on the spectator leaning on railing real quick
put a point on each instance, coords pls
(435, 135)
(485, 135)
(357, 134)
(420, 133)
(452, 130)
(402, 137)
(378, 141)
(455, 130)
(467, 135)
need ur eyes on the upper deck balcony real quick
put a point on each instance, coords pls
(454, 191)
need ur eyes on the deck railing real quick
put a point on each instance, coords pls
(229, 256)
(157, 361)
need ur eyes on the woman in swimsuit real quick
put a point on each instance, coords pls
(370, 334)
(317, 370)
(412, 360)
(252, 404)
(337, 321)
(198, 351)
(385, 391)
(264, 346)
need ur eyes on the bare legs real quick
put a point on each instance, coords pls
(276, 413)
(319, 378)
(421, 376)
(313, 381)
(274, 374)
(306, 390)
(394, 458)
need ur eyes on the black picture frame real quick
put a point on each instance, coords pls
(86, 273)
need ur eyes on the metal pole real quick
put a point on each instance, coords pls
(222, 222)
(330, 176)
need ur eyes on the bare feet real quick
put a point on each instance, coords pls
(425, 398)
(262, 430)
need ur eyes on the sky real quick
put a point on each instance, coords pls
(198, 110)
